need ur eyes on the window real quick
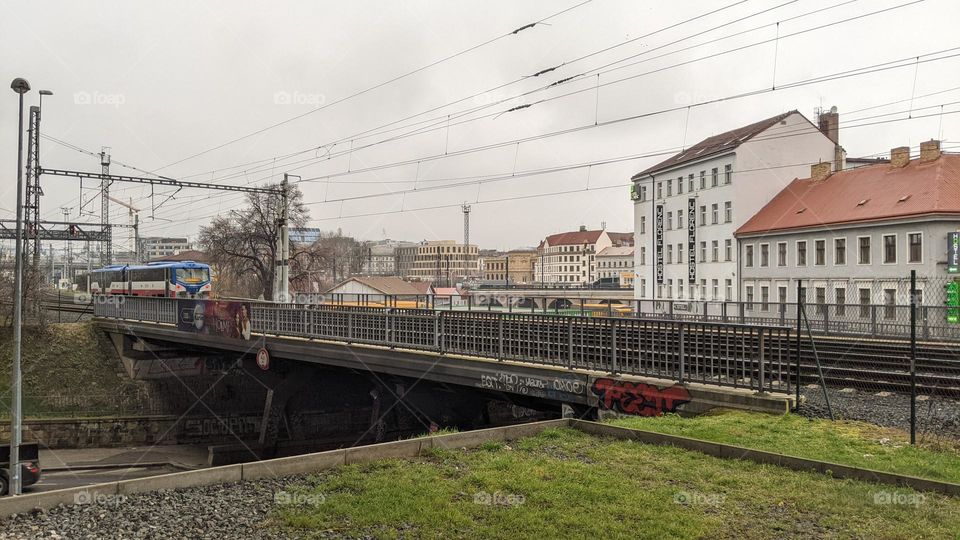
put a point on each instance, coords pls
(863, 244)
(821, 299)
(749, 298)
(669, 253)
(840, 297)
(643, 193)
(643, 255)
(714, 213)
(889, 249)
(669, 220)
(680, 186)
(820, 252)
(915, 243)
(643, 288)
(669, 187)
(703, 179)
(728, 285)
(764, 298)
(801, 253)
(679, 219)
(727, 212)
(728, 174)
(715, 251)
(703, 215)
(680, 289)
(716, 285)
(703, 252)
(669, 288)
(764, 255)
(703, 289)
(680, 253)
(714, 176)
(659, 190)
(690, 183)
(864, 302)
(728, 250)
(782, 294)
(781, 254)
(643, 224)
(840, 251)
(889, 303)
(748, 256)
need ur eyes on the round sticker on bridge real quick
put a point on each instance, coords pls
(263, 359)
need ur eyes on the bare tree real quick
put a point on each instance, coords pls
(242, 244)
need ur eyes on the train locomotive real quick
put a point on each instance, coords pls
(186, 279)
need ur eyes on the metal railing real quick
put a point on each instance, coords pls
(727, 354)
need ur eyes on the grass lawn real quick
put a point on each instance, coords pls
(566, 484)
(849, 443)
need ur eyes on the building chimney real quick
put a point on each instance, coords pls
(583, 228)
(900, 156)
(929, 150)
(821, 171)
(830, 124)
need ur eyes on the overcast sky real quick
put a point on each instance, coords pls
(164, 83)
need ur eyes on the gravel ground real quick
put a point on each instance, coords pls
(938, 418)
(222, 511)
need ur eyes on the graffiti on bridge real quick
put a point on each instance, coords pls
(638, 399)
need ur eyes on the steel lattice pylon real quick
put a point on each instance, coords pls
(31, 204)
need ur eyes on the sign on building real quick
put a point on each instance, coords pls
(953, 253)
(658, 226)
(692, 240)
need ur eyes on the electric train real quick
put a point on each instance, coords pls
(186, 279)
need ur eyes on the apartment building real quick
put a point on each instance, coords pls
(441, 261)
(569, 258)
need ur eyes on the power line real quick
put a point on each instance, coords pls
(379, 85)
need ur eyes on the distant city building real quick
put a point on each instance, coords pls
(616, 264)
(854, 236)
(687, 207)
(518, 263)
(570, 258)
(304, 235)
(155, 247)
(357, 286)
(442, 261)
(381, 258)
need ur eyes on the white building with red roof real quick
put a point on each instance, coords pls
(687, 207)
(853, 236)
(569, 258)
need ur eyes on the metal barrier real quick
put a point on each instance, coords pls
(726, 354)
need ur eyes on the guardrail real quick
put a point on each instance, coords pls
(726, 354)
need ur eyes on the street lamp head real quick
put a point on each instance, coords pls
(46, 93)
(20, 86)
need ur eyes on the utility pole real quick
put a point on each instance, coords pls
(466, 231)
(67, 250)
(281, 289)
(106, 247)
(20, 86)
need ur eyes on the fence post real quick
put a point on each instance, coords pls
(826, 318)
(570, 342)
(873, 319)
(436, 330)
(913, 357)
(349, 326)
(443, 334)
(799, 331)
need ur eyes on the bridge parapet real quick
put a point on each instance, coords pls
(753, 357)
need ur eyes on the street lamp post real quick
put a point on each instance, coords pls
(21, 87)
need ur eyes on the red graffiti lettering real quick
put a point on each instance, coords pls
(638, 398)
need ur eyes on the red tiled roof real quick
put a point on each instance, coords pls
(716, 144)
(621, 238)
(388, 285)
(870, 193)
(574, 238)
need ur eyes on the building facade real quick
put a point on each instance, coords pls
(381, 258)
(441, 261)
(853, 237)
(687, 208)
(518, 264)
(155, 247)
(615, 265)
(569, 258)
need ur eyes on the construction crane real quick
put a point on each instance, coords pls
(133, 213)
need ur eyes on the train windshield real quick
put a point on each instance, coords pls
(192, 275)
